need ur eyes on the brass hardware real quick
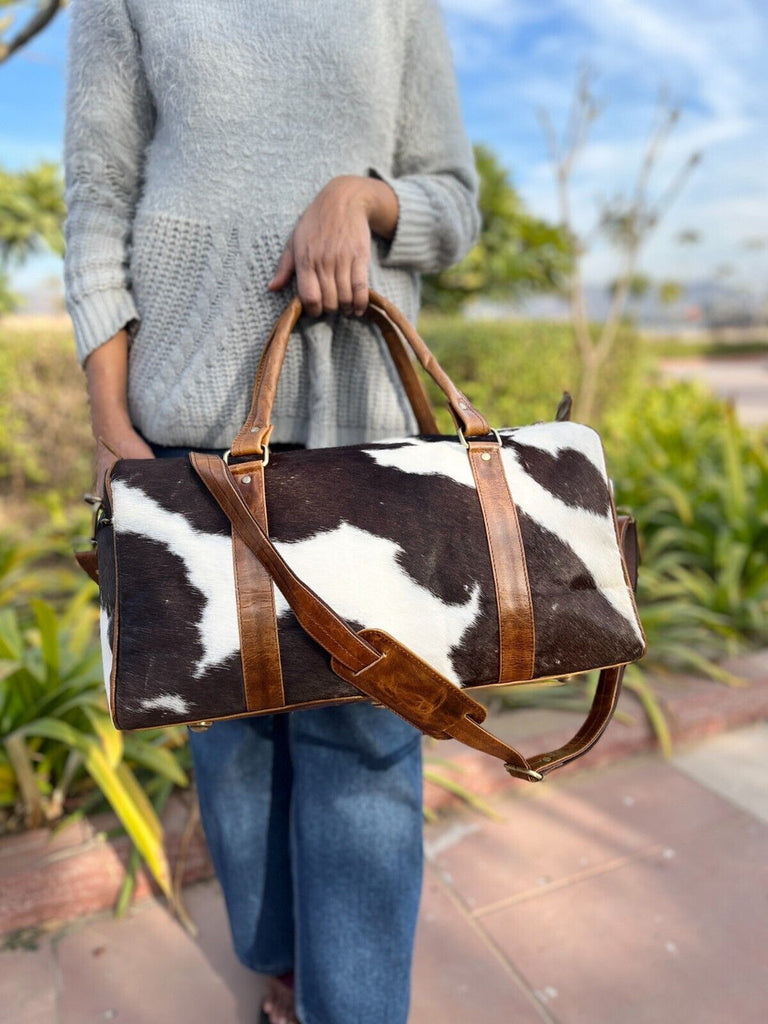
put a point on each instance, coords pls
(465, 443)
(200, 726)
(100, 519)
(264, 461)
(524, 773)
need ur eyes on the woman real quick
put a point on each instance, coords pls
(213, 153)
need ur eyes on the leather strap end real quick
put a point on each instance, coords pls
(89, 563)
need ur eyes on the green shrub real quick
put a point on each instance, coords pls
(45, 441)
(697, 483)
(56, 739)
(516, 371)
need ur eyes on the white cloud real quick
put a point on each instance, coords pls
(710, 58)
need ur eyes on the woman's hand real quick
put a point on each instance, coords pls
(330, 247)
(106, 371)
(125, 445)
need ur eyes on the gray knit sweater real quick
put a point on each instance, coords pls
(196, 134)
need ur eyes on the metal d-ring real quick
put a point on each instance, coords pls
(465, 443)
(265, 459)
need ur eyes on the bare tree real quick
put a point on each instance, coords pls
(44, 14)
(627, 220)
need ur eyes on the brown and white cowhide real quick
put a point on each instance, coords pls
(391, 536)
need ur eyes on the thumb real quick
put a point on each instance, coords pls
(285, 268)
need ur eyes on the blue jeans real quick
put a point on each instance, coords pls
(314, 824)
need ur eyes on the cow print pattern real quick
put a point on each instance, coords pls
(391, 536)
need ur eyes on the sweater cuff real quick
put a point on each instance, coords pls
(410, 245)
(98, 316)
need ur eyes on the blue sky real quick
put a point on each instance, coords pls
(514, 57)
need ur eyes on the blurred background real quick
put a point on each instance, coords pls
(622, 148)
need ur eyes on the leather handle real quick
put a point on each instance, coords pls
(389, 673)
(396, 328)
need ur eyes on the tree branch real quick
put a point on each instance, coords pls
(36, 24)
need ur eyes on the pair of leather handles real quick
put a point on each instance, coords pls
(396, 329)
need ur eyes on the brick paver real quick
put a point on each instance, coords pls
(631, 894)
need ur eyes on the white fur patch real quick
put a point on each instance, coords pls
(591, 537)
(554, 438)
(358, 575)
(427, 458)
(166, 702)
(207, 559)
(106, 653)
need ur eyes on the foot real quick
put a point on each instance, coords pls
(278, 1002)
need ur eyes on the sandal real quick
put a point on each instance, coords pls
(284, 980)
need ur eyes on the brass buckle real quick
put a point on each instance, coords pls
(529, 774)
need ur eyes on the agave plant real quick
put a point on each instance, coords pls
(55, 732)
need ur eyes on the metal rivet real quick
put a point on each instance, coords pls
(254, 430)
(486, 456)
(245, 480)
(462, 405)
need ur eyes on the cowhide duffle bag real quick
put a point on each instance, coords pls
(400, 571)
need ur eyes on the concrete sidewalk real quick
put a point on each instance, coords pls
(631, 894)
(742, 380)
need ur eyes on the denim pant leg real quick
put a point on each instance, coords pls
(314, 823)
(243, 776)
(356, 845)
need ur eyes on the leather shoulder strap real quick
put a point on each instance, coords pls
(386, 671)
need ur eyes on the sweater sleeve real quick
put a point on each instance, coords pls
(433, 175)
(109, 118)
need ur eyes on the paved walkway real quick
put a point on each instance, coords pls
(632, 894)
(744, 380)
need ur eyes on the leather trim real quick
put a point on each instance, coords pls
(89, 563)
(116, 609)
(324, 702)
(257, 620)
(517, 636)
